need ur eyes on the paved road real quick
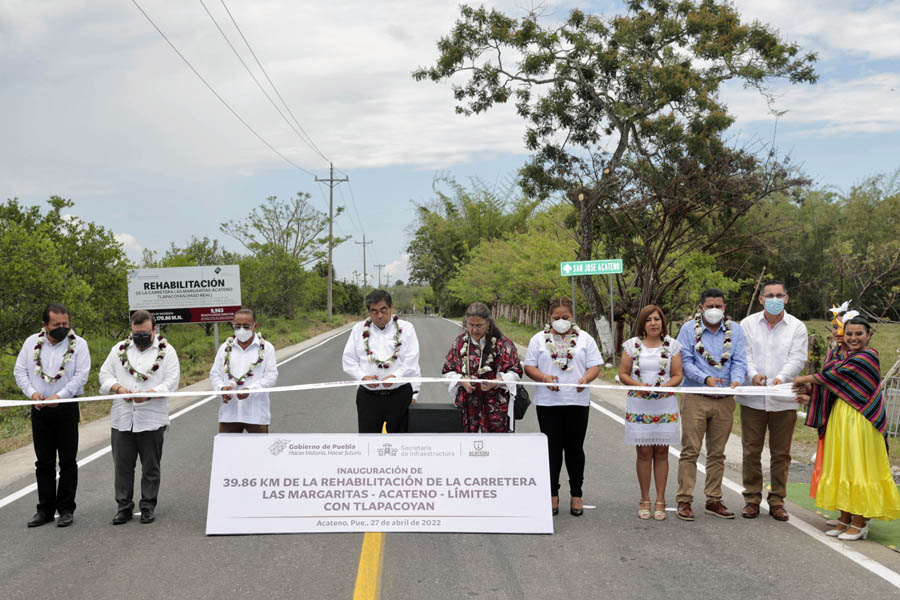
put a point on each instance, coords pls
(606, 552)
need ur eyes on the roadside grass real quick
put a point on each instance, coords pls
(886, 533)
(196, 353)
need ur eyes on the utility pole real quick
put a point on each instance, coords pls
(364, 243)
(379, 275)
(331, 183)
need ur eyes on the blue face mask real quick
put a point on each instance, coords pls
(774, 306)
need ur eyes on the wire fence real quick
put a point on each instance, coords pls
(891, 399)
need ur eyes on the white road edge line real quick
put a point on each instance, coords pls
(862, 560)
(107, 449)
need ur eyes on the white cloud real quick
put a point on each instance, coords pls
(866, 105)
(866, 29)
(398, 269)
(132, 247)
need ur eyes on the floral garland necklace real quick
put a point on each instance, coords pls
(67, 357)
(569, 342)
(665, 354)
(229, 344)
(160, 356)
(464, 352)
(704, 353)
(366, 332)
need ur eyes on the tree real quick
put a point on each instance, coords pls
(56, 257)
(274, 283)
(294, 227)
(521, 268)
(455, 222)
(197, 253)
(624, 120)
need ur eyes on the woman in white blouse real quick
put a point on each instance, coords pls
(652, 420)
(563, 353)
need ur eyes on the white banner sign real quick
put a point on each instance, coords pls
(294, 483)
(186, 294)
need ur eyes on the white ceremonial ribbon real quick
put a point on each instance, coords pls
(782, 390)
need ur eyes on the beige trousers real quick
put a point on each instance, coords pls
(703, 416)
(780, 424)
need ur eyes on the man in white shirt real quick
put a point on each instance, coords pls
(777, 350)
(143, 362)
(244, 362)
(53, 365)
(381, 348)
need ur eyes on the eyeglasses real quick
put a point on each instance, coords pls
(779, 296)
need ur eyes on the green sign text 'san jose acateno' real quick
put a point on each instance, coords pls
(591, 267)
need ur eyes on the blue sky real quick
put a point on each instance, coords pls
(97, 108)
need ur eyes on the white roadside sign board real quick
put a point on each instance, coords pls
(317, 483)
(186, 294)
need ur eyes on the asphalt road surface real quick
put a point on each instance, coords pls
(607, 552)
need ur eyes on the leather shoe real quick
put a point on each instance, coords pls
(554, 505)
(778, 513)
(751, 510)
(576, 512)
(65, 519)
(123, 516)
(718, 509)
(39, 519)
(147, 515)
(684, 511)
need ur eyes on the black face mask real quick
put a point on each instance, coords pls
(58, 334)
(142, 340)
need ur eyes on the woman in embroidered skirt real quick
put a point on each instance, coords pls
(482, 352)
(846, 400)
(563, 353)
(652, 421)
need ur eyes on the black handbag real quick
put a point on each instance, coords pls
(521, 402)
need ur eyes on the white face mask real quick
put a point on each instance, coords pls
(243, 335)
(713, 315)
(561, 325)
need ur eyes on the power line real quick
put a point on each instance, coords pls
(216, 94)
(350, 214)
(306, 141)
(355, 208)
(269, 79)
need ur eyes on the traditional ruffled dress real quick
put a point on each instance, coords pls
(486, 411)
(856, 473)
(651, 418)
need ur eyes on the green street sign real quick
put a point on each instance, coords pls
(591, 267)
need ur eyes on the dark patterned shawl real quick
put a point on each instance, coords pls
(857, 381)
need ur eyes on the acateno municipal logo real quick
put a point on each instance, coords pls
(479, 450)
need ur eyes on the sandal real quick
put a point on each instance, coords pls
(644, 513)
(660, 515)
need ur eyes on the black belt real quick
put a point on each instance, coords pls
(402, 388)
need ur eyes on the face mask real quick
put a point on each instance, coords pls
(713, 315)
(243, 335)
(561, 325)
(58, 334)
(142, 340)
(774, 306)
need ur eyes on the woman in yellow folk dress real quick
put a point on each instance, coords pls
(846, 399)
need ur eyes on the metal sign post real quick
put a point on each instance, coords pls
(574, 318)
(612, 330)
(607, 267)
